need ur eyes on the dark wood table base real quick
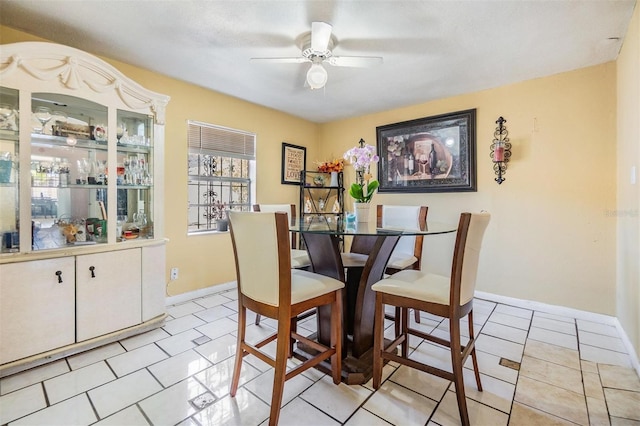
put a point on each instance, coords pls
(358, 298)
(355, 371)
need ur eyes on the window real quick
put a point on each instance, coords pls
(221, 173)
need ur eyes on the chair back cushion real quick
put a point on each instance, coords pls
(403, 217)
(477, 225)
(270, 208)
(256, 250)
(290, 210)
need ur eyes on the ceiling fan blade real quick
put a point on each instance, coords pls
(354, 61)
(292, 60)
(320, 36)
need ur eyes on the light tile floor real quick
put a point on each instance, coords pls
(537, 368)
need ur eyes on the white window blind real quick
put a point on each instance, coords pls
(216, 140)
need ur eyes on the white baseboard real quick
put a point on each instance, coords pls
(202, 292)
(567, 312)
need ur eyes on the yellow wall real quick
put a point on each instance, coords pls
(206, 260)
(550, 239)
(628, 203)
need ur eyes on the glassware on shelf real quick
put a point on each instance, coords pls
(120, 224)
(120, 130)
(83, 171)
(6, 114)
(140, 219)
(43, 114)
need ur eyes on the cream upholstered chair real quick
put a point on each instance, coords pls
(448, 297)
(299, 258)
(408, 252)
(269, 286)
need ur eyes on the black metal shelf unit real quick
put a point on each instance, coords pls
(321, 196)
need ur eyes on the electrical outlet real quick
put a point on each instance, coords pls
(174, 274)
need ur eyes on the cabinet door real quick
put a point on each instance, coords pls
(108, 292)
(36, 310)
(153, 281)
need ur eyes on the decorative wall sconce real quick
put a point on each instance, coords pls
(500, 150)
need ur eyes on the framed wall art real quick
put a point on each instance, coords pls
(294, 160)
(431, 154)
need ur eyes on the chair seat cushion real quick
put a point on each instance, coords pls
(354, 260)
(417, 285)
(357, 260)
(306, 285)
(401, 261)
(299, 258)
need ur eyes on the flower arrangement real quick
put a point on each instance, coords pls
(331, 166)
(361, 157)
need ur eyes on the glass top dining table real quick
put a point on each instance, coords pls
(323, 240)
(343, 228)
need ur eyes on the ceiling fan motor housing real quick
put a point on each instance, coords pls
(309, 53)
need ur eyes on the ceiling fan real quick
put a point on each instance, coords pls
(317, 47)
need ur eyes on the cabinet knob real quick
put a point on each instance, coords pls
(59, 274)
(92, 269)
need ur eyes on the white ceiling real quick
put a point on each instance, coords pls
(431, 49)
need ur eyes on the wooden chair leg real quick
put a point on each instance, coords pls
(378, 341)
(396, 321)
(472, 340)
(282, 351)
(456, 361)
(292, 341)
(336, 338)
(416, 314)
(258, 316)
(404, 325)
(242, 319)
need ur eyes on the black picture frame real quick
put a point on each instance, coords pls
(431, 154)
(294, 160)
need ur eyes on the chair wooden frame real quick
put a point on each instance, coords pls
(285, 313)
(453, 311)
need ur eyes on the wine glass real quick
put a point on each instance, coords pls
(423, 159)
(120, 129)
(43, 114)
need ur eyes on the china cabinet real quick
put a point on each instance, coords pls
(81, 219)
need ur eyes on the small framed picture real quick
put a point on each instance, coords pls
(294, 160)
(431, 154)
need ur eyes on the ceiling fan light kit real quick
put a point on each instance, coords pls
(317, 76)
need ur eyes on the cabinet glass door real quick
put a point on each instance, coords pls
(9, 182)
(68, 171)
(134, 176)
